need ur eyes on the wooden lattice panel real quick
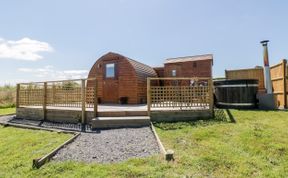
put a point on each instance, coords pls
(90, 92)
(64, 97)
(31, 95)
(185, 97)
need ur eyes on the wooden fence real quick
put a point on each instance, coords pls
(57, 94)
(253, 73)
(180, 94)
(279, 78)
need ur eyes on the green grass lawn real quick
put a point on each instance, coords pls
(18, 147)
(4, 111)
(255, 145)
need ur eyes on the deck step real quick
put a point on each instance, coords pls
(116, 122)
(121, 113)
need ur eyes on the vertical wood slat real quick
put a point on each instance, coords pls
(148, 96)
(211, 97)
(17, 95)
(95, 99)
(83, 101)
(284, 63)
(44, 100)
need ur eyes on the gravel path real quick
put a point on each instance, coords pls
(108, 146)
(55, 125)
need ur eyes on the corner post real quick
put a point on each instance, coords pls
(148, 96)
(95, 99)
(284, 64)
(17, 95)
(211, 97)
(83, 100)
(45, 101)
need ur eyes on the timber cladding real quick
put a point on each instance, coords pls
(129, 80)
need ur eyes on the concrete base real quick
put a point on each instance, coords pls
(174, 116)
(266, 101)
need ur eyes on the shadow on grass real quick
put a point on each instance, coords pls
(219, 117)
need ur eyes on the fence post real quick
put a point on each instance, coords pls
(284, 63)
(44, 100)
(148, 96)
(95, 99)
(211, 99)
(17, 95)
(83, 99)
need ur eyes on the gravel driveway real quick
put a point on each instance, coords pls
(112, 145)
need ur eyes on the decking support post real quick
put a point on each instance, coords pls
(83, 99)
(95, 99)
(44, 100)
(211, 99)
(148, 96)
(17, 95)
(284, 64)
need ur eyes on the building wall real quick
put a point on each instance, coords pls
(201, 68)
(159, 71)
(130, 80)
(125, 83)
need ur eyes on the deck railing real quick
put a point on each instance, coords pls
(180, 94)
(64, 93)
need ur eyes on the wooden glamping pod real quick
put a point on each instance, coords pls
(120, 79)
(240, 94)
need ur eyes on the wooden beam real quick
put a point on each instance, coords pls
(52, 81)
(17, 95)
(284, 63)
(44, 100)
(277, 78)
(37, 163)
(83, 100)
(95, 99)
(211, 99)
(148, 96)
(181, 78)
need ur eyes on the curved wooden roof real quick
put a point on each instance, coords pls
(142, 70)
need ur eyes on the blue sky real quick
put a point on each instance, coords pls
(46, 40)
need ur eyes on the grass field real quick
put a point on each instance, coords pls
(255, 144)
(19, 146)
(4, 111)
(7, 96)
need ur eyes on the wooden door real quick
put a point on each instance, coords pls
(110, 91)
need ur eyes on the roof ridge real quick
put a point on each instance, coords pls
(200, 55)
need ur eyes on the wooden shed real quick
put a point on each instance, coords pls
(120, 79)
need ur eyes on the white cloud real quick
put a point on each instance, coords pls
(24, 49)
(49, 73)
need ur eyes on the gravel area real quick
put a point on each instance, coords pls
(55, 125)
(5, 119)
(112, 145)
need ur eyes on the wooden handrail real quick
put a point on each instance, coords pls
(180, 78)
(53, 81)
